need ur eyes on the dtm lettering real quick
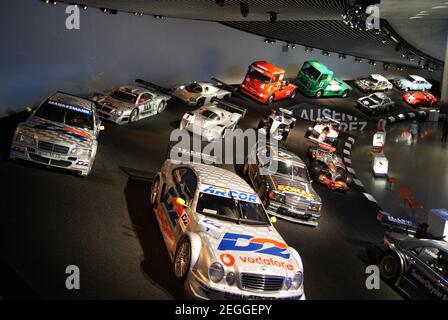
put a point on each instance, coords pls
(249, 243)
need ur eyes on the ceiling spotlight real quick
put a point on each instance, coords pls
(400, 68)
(290, 45)
(372, 62)
(269, 41)
(342, 56)
(308, 49)
(54, 2)
(326, 53)
(220, 3)
(384, 39)
(244, 9)
(358, 59)
(404, 54)
(158, 17)
(273, 17)
(386, 66)
(84, 7)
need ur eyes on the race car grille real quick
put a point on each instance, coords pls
(260, 282)
(106, 109)
(296, 203)
(59, 163)
(47, 146)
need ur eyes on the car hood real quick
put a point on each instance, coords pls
(113, 103)
(368, 101)
(248, 248)
(297, 189)
(55, 132)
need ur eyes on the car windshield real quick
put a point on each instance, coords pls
(253, 73)
(209, 114)
(124, 96)
(373, 80)
(376, 98)
(310, 71)
(194, 88)
(231, 209)
(67, 115)
(289, 169)
(409, 78)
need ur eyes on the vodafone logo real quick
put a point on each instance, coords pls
(227, 259)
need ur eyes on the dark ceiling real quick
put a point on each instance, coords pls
(420, 25)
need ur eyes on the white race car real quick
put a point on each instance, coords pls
(199, 93)
(211, 121)
(324, 133)
(278, 124)
(219, 237)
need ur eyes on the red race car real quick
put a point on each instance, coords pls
(420, 99)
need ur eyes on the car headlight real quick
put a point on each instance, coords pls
(230, 278)
(80, 151)
(116, 112)
(25, 139)
(315, 207)
(287, 283)
(216, 272)
(297, 280)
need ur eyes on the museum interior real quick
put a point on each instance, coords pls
(227, 149)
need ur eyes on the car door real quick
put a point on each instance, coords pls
(147, 105)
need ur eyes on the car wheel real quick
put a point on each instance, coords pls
(134, 116)
(161, 107)
(182, 260)
(344, 94)
(270, 99)
(319, 94)
(390, 267)
(200, 102)
(293, 94)
(154, 191)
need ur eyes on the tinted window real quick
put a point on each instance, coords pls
(310, 71)
(185, 182)
(65, 115)
(258, 75)
(124, 96)
(194, 88)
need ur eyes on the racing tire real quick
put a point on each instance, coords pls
(285, 134)
(344, 94)
(154, 191)
(270, 99)
(308, 132)
(390, 267)
(293, 94)
(134, 116)
(316, 169)
(161, 107)
(200, 102)
(182, 260)
(319, 94)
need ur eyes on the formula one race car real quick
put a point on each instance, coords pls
(278, 124)
(62, 132)
(212, 120)
(418, 99)
(219, 237)
(375, 103)
(199, 93)
(324, 133)
(329, 169)
(284, 185)
(375, 82)
(131, 103)
(411, 259)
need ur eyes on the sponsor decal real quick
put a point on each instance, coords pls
(243, 242)
(227, 193)
(296, 190)
(78, 134)
(229, 260)
(163, 222)
(433, 291)
(70, 107)
(210, 224)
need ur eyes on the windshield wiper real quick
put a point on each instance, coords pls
(238, 210)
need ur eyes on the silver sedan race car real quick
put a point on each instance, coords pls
(60, 133)
(131, 103)
(211, 121)
(285, 187)
(199, 93)
(375, 103)
(375, 82)
(220, 239)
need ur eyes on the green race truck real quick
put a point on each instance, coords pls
(316, 80)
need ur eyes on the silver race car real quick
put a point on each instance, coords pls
(131, 103)
(60, 133)
(285, 187)
(220, 239)
(278, 124)
(199, 93)
(212, 120)
(375, 103)
(375, 82)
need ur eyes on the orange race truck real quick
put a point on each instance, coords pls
(265, 83)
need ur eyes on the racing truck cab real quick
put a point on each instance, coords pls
(265, 83)
(316, 80)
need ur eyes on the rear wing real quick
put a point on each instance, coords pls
(229, 106)
(225, 85)
(151, 85)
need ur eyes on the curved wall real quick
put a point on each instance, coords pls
(39, 55)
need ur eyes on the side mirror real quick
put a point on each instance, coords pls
(273, 219)
(102, 128)
(180, 202)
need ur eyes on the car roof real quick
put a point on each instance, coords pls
(283, 154)
(73, 100)
(133, 89)
(418, 78)
(380, 95)
(220, 177)
(269, 67)
(319, 66)
(378, 77)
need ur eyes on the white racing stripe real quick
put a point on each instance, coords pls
(370, 197)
